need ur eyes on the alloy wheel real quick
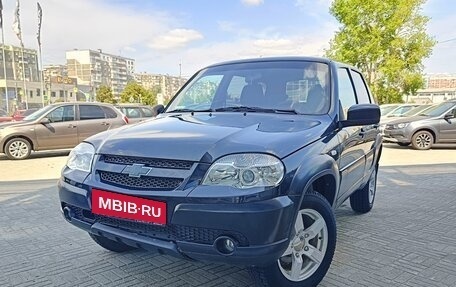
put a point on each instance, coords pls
(307, 248)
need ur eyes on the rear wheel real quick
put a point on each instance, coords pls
(18, 148)
(309, 254)
(422, 140)
(110, 244)
(362, 200)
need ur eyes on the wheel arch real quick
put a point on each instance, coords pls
(32, 143)
(323, 178)
(427, 129)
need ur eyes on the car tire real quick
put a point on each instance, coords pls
(111, 245)
(403, 144)
(422, 140)
(311, 248)
(18, 148)
(363, 199)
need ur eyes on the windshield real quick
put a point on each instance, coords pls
(438, 110)
(287, 86)
(400, 110)
(38, 113)
(387, 109)
(416, 111)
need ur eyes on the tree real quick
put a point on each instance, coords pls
(135, 93)
(387, 40)
(104, 95)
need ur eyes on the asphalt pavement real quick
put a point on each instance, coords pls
(408, 239)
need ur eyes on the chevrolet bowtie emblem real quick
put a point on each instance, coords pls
(136, 170)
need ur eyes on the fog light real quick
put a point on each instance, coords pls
(225, 245)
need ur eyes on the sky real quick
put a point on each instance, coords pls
(180, 37)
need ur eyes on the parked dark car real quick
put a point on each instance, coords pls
(434, 125)
(136, 112)
(245, 166)
(57, 126)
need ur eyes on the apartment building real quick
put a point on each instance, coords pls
(21, 87)
(167, 85)
(95, 68)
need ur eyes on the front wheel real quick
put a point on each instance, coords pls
(309, 254)
(422, 140)
(18, 148)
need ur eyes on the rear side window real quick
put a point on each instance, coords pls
(147, 112)
(132, 112)
(346, 92)
(361, 90)
(110, 113)
(89, 112)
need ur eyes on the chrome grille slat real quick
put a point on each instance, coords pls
(143, 182)
(149, 162)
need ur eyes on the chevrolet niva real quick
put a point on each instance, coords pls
(244, 166)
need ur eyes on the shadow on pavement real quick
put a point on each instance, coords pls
(42, 154)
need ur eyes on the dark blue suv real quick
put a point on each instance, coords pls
(244, 166)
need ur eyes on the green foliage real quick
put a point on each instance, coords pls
(387, 40)
(135, 93)
(104, 95)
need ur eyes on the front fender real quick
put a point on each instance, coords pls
(312, 169)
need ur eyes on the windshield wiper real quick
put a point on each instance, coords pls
(189, 111)
(254, 109)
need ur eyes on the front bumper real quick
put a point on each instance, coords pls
(259, 229)
(396, 136)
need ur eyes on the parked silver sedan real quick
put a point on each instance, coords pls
(435, 125)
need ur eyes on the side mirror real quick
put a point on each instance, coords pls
(45, 121)
(449, 116)
(362, 115)
(158, 109)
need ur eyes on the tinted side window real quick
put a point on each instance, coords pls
(61, 114)
(147, 112)
(361, 90)
(132, 112)
(110, 113)
(346, 93)
(89, 112)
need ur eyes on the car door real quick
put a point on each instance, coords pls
(352, 158)
(60, 132)
(368, 133)
(92, 120)
(447, 127)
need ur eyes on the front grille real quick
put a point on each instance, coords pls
(168, 232)
(143, 182)
(150, 162)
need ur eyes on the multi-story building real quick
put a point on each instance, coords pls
(95, 68)
(21, 88)
(438, 88)
(167, 85)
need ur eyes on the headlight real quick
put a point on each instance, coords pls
(245, 171)
(401, 125)
(81, 157)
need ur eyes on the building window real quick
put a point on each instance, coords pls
(53, 94)
(31, 94)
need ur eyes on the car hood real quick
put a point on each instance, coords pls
(205, 137)
(14, 124)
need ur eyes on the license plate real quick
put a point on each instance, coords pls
(128, 207)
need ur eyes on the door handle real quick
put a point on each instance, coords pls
(71, 126)
(105, 124)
